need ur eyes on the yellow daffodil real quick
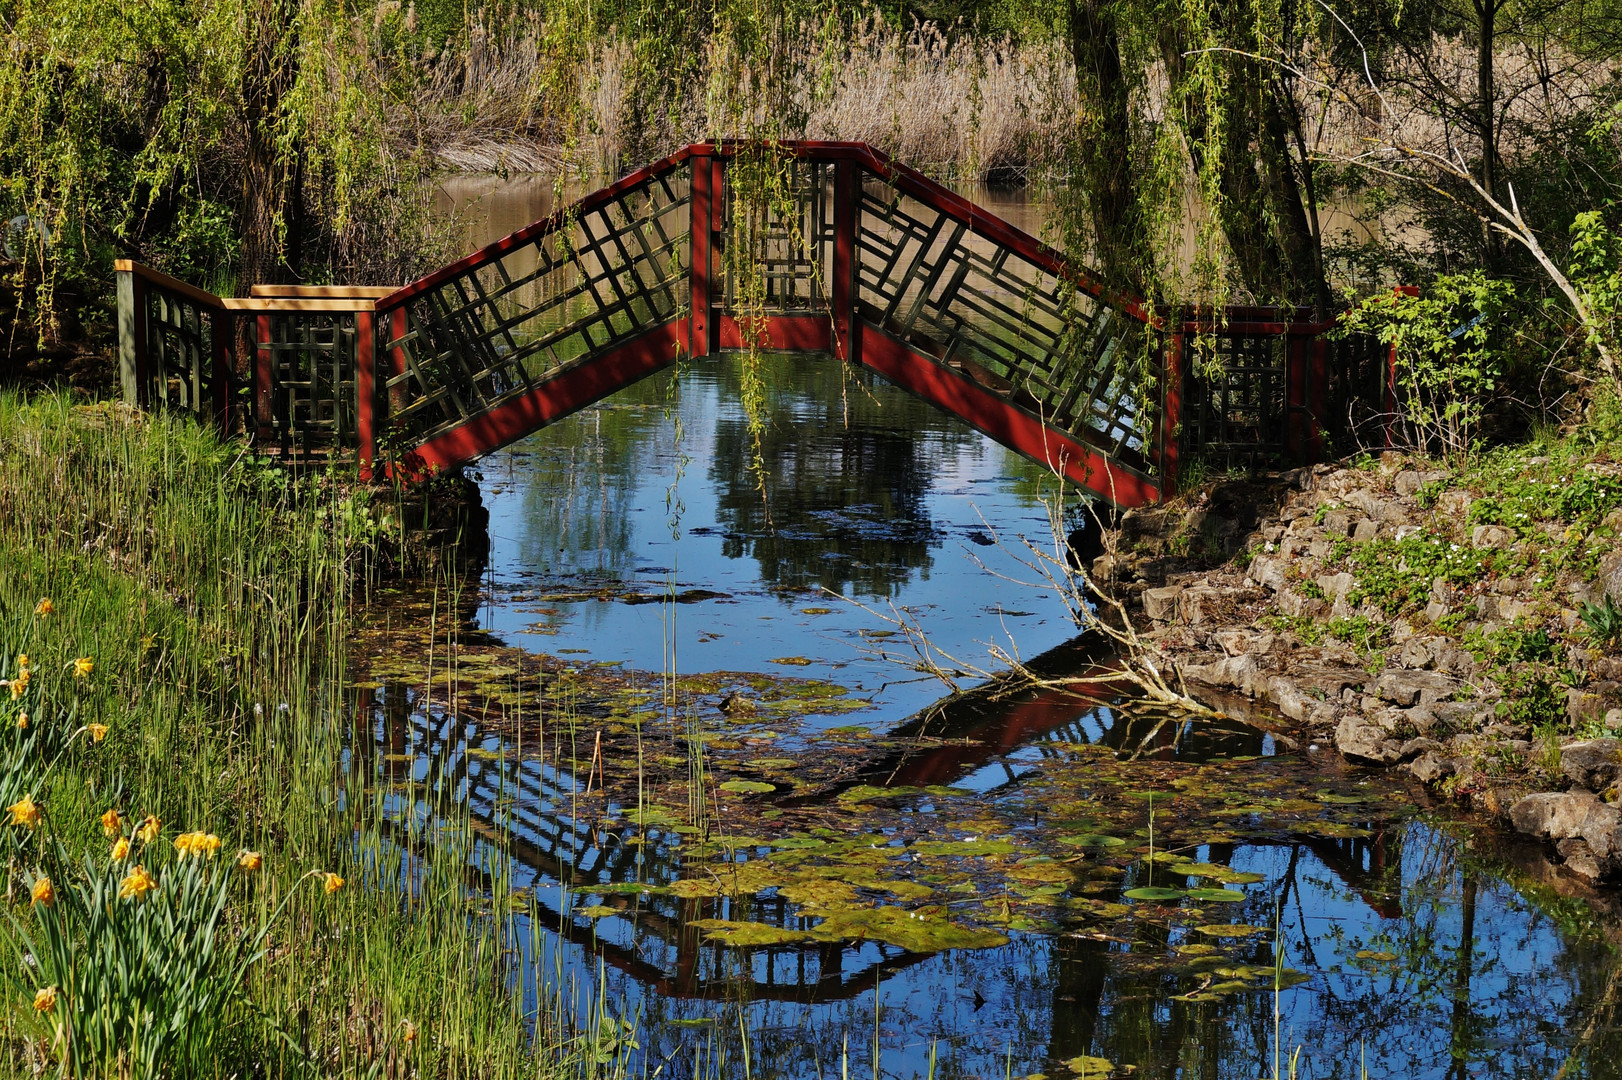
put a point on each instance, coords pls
(24, 812)
(197, 844)
(408, 1031)
(249, 860)
(121, 849)
(148, 829)
(83, 666)
(22, 660)
(98, 732)
(19, 685)
(22, 721)
(331, 882)
(45, 1000)
(136, 884)
(112, 823)
(44, 607)
(44, 892)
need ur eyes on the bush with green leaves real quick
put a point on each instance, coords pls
(1448, 363)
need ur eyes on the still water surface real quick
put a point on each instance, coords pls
(1421, 950)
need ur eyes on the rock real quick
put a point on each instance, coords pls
(1431, 768)
(1358, 737)
(1613, 720)
(1592, 763)
(1454, 503)
(1555, 815)
(1419, 652)
(1414, 687)
(1583, 706)
(1365, 530)
(1491, 536)
(1296, 605)
(1340, 522)
(1161, 604)
(1289, 698)
(1103, 570)
(1581, 860)
(1407, 483)
(1336, 586)
(1269, 571)
(1610, 575)
(1462, 715)
(1436, 610)
(1414, 747)
(1197, 604)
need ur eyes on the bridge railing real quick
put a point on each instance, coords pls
(854, 254)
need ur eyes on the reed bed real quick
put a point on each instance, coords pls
(967, 107)
(183, 611)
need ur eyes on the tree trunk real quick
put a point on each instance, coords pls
(1487, 118)
(1104, 144)
(271, 181)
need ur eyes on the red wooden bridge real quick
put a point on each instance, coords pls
(856, 255)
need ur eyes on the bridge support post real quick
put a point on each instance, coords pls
(262, 354)
(701, 217)
(842, 293)
(222, 332)
(1171, 414)
(365, 392)
(1296, 420)
(132, 343)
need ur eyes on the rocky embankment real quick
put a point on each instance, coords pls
(1412, 617)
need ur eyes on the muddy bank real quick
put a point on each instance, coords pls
(1459, 625)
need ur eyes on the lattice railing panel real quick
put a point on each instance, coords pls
(179, 351)
(792, 240)
(1236, 403)
(311, 404)
(1016, 328)
(498, 328)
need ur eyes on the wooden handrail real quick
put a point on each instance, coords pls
(322, 292)
(274, 304)
(159, 278)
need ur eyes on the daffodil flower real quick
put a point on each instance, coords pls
(136, 884)
(24, 812)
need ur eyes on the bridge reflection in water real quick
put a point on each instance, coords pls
(1042, 998)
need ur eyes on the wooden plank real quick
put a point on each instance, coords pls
(280, 305)
(323, 292)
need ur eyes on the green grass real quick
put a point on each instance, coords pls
(213, 597)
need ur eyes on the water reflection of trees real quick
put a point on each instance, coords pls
(584, 478)
(849, 464)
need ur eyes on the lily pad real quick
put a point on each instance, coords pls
(747, 787)
(911, 930)
(740, 934)
(1155, 892)
(964, 847)
(1370, 954)
(1090, 1066)
(1239, 930)
(792, 661)
(596, 911)
(1093, 840)
(1216, 896)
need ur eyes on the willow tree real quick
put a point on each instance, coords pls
(1177, 112)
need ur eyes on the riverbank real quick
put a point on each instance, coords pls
(173, 619)
(1458, 622)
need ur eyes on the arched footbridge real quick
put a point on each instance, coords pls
(853, 254)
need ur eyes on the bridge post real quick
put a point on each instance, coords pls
(132, 343)
(1317, 395)
(847, 203)
(1296, 420)
(1171, 414)
(222, 332)
(365, 392)
(700, 217)
(262, 354)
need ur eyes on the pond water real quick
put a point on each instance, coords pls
(879, 880)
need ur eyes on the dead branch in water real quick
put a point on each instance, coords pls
(1137, 667)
